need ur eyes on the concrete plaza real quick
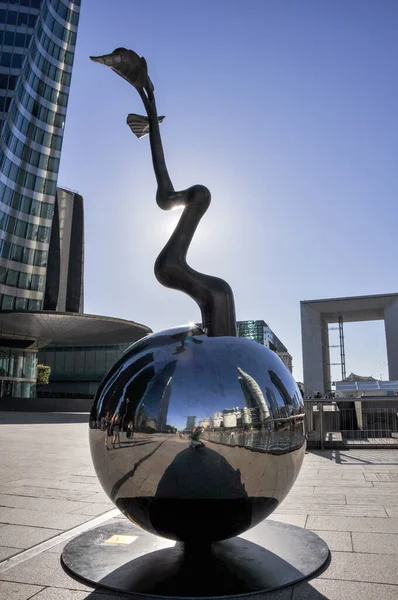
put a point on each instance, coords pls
(48, 488)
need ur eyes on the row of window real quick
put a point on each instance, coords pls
(11, 59)
(12, 17)
(40, 112)
(24, 204)
(30, 181)
(59, 31)
(30, 130)
(14, 38)
(26, 256)
(31, 3)
(13, 303)
(49, 70)
(53, 49)
(47, 92)
(33, 157)
(25, 281)
(23, 229)
(66, 14)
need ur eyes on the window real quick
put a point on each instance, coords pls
(25, 280)
(17, 253)
(27, 257)
(32, 231)
(43, 234)
(16, 61)
(20, 229)
(35, 208)
(25, 204)
(5, 60)
(46, 210)
(34, 305)
(5, 249)
(3, 274)
(40, 259)
(37, 283)
(21, 303)
(12, 278)
(11, 224)
(8, 39)
(7, 302)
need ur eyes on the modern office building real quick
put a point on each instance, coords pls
(64, 289)
(36, 58)
(260, 332)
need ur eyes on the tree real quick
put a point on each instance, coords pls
(43, 374)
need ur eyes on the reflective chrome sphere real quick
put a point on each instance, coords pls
(197, 438)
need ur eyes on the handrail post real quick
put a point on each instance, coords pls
(320, 408)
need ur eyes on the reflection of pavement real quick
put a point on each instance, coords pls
(137, 468)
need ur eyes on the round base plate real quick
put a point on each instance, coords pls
(123, 557)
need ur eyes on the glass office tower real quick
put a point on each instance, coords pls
(37, 44)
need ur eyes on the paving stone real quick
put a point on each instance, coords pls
(336, 540)
(356, 566)
(329, 523)
(335, 510)
(373, 498)
(326, 589)
(94, 509)
(7, 552)
(392, 512)
(40, 504)
(59, 594)
(18, 516)
(18, 536)
(298, 520)
(40, 492)
(336, 484)
(376, 543)
(45, 570)
(17, 591)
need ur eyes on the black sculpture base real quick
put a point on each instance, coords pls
(122, 557)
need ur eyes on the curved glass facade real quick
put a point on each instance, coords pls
(17, 373)
(78, 370)
(37, 51)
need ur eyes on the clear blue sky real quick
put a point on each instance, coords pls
(287, 111)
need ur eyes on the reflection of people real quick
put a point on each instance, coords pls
(194, 441)
(130, 430)
(116, 421)
(108, 429)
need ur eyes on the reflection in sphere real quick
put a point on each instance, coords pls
(197, 438)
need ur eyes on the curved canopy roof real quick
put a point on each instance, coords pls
(42, 328)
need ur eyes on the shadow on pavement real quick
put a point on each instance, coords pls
(36, 418)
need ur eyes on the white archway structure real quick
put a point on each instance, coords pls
(317, 314)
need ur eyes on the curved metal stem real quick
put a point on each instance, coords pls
(213, 295)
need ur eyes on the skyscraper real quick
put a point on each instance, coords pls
(37, 45)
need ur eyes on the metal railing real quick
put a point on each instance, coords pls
(352, 422)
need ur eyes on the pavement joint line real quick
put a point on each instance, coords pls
(17, 559)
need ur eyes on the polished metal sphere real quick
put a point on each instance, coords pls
(197, 438)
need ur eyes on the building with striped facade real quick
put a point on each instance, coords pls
(38, 39)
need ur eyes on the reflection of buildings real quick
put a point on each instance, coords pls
(164, 406)
(260, 332)
(153, 408)
(217, 419)
(254, 396)
(232, 417)
(206, 423)
(191, 422)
